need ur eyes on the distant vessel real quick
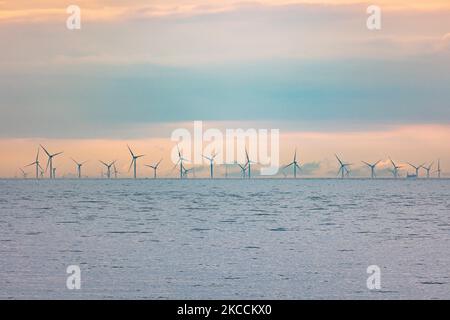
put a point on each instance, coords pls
(411, 176)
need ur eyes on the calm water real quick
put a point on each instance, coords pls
(275, 239)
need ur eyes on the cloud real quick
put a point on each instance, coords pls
(314, 64)
(109, 10)
(310, 168)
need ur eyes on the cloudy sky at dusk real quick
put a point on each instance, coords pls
(136, 71)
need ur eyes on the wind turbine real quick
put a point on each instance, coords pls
(116, 172)
(211, 164)
(439, 169)
(108, 167)
(248, 164)
(186, 171)
(294, 164)
(372, 167)
(24, 174)
(133, 161)
(36, 162)
(395, 170)
(180, 161)
(343, 170)
(50, 160)
(79, 165)
(243, 169)
(154, 167)
(428, 169)
(417, 168)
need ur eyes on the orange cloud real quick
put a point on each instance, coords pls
(21, 10)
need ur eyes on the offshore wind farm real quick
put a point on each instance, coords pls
(343, 169)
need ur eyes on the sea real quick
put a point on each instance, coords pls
(225, 239)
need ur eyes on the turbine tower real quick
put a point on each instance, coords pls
(343, 169)
(79, 165)
(108, 167)
(295, 164)
(133, 160)
(36, 162)
(211, 164)
(154, 167)
(372, 167)
(395, 169)
(417, 168)
(54, 173)
(50, 161)
(428, 169)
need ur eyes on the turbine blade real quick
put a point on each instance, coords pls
(288, 165)
(132, 154)
(131, 164)
(45, 150)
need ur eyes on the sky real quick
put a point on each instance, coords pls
(137, 70)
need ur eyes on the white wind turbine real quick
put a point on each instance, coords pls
(395, 168)
(248, 164)
(36, 162)
(180, 161)
(211, 164)
(438, 171)
(294, 164)
(428, 169)
(243, 169)
(154, 167)
(50, 161)
(372, 168)
(79, 165)
(133, 160)
(417, 168)
(116, 172)
(343, 169)
(108, 167)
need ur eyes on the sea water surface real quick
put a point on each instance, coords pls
(225, 239)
